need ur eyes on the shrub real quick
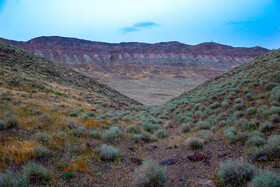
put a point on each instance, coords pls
(95, 134)
(251, 110)
(111, 134)
(186, 128)
(195, 143)
(150, 174)
(80, 131)
(136, 138)
(90, 114)
(36, 173)
(42, 137)
(203, 125)
(214, 105)
(271, 148)
(161, 133)
(256, 141)
(130, 128)
(2, 125)
(42, 152)
(236, 173)
(275, 118)
(12, 123)
(266, 179)
(225, 103)
(265, 126)
(148, 137)
(12, 179)
(238, 106)
(108, 152)
(150, 127)
(239, 100)
(74, 114)
(206, 135)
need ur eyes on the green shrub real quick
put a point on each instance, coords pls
(42, 137)
(108, 152)
(12, 179)
(266, 179)
(266, 126)
(42, 152)
(130, 128)
(225, 103)
(256, 141)
(206, 135)
(150, 127)
(2, 125)
(80, 131)
(91, 114)
(148, 137)
(271, 148)
(239, 100)
(186, 128)
(95, 134)
(203, 125)
(12, 123)
(214, 105)
(236, 173)
(275, 118)
(136, 138)
(238, 106)
(36, 173)
(111, 134)
(74, 114)
(149, 174)
(195, 143)
(251, 110)
(161, 133)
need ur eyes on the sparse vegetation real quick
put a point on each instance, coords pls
(108, 153)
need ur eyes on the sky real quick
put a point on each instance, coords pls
(242, 23)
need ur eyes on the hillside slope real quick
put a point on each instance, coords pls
(149, 73)
(23, 71)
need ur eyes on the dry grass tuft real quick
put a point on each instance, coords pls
(18, 151)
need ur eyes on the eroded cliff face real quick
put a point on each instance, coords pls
(140, 61)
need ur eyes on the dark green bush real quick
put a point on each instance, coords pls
(12, 123)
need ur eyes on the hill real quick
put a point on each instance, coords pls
(149, 73)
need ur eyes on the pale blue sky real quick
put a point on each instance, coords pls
(233, 22)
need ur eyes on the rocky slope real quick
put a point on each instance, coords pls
(129, 63)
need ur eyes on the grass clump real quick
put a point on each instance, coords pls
(236, 173)
(148, 137)
(266, 179)
(149, 174)
(80, 131)
(108, 153)
(161, 133)
(37, 173)
(195, 143)
(150, 127)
